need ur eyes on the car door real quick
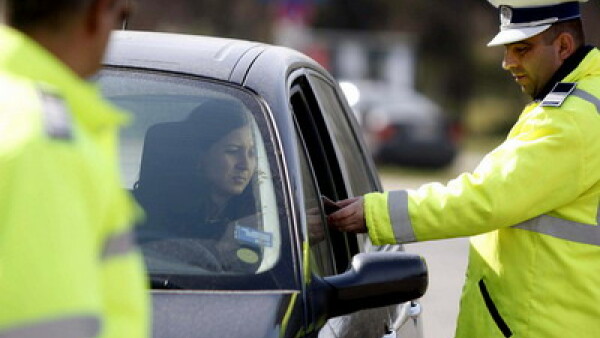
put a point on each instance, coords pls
(336, 164)
(324, 175)
(360, 178)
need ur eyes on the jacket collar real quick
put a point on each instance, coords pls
(570, 64)
(21, 56)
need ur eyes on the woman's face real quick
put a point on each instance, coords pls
(230, 163)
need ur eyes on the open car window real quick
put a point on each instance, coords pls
(196, 158)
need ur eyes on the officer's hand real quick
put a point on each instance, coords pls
(350, 218)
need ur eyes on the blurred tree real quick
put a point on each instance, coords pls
(244, 19)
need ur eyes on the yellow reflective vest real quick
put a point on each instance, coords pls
(532, 207)
(68, 265)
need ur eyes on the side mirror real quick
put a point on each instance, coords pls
(377, 279)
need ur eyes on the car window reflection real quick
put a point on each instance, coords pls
(196, 161)
(198, 181)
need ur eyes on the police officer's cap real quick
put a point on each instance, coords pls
(522, 19)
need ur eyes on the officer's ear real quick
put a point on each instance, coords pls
(565, 44)
(105, 15)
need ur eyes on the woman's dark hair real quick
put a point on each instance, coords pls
(170, 182)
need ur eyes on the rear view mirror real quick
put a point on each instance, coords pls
(377, 279)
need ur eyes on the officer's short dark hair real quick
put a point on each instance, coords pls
(30, 14)
(573, 27)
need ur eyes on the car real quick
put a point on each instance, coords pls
(402, 126)
(234, 150)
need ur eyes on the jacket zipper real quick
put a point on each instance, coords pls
(489, 303)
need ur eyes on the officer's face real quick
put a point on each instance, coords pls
(532, 63)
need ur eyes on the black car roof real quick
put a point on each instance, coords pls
(191, 54)
(213, 57)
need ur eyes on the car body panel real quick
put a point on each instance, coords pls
(249, 314)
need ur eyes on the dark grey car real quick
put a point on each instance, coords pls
(266, 265)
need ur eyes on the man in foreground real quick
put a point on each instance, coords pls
(68, 265)
(532, 204)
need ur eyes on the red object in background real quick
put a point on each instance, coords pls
(319, 53)
(387, 133)
(296, 10)
(456, 132)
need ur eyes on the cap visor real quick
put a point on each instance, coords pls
(516, 34)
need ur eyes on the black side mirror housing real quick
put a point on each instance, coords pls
(377, 279)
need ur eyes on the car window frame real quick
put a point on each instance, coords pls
(359, 242)
(351, 124)
(329, 178)
(286, 266)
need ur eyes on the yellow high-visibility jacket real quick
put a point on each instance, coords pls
(68, 265)
(534, 266)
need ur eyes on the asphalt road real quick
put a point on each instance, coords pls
(446, 259)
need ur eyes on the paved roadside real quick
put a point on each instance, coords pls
(446, 262)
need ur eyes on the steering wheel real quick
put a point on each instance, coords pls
(189, 251)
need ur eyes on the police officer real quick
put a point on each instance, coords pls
(532, 204)
(68, 267)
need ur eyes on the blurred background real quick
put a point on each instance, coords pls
(431, 97)
(436, 48)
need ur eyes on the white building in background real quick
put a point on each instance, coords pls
(386, 57)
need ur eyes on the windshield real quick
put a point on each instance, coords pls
(195, 157)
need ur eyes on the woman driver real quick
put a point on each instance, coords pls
(195, 184)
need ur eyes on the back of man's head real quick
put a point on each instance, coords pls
(27, 15)
(74, 31)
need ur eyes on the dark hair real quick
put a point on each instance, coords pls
(29, 14)
(170, 183)
(573, 27)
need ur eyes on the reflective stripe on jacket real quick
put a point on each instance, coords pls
(533, 204)
(68, 265)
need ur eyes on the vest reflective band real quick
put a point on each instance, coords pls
(561, 228)
(117, 245)
(71, 327)
(564, 229)
(544, 224)
(582, 94)
(57, 119)
(398, 210)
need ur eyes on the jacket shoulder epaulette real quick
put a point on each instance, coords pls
(55, 114)
(558, 94)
